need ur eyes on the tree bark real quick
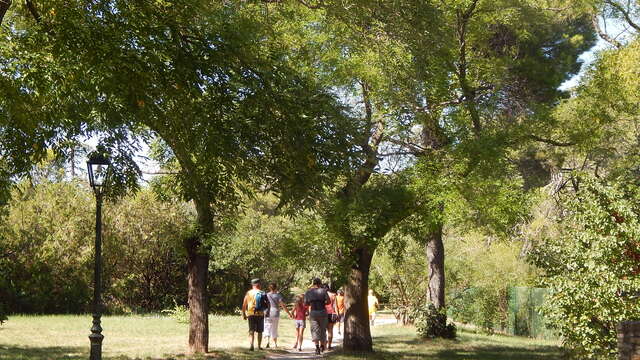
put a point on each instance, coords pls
(198, 266)
(4, 7)
(197, 278)
(435, 255)
(357, 333)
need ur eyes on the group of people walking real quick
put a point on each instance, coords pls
(323, 306)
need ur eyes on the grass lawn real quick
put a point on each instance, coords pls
(126, 337)
(152, 337)
(393, 342)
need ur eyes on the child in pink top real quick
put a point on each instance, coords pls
(300, 312)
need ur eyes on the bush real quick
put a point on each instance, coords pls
(431, 323)
(179, 313)
(46, 249)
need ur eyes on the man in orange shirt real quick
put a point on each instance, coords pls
(340, 308)
(255, 317)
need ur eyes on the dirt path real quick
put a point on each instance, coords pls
(309, 349)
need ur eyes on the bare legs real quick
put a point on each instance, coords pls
(251, 338)
(330, 333)
(299, 338)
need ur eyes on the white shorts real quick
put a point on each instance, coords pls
(271, 327)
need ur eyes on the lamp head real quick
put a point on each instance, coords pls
(98, 167)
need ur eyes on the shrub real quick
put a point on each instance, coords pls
(431, 323)
(179, 313)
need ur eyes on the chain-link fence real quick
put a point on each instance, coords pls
(525, 318)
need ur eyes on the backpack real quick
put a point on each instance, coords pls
(261, 303)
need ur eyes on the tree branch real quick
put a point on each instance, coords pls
(551, 142)
(414, 149)
(399, 153)
(373, 142)
(305, 3)
(32, 9)
(602, 34)
(624, 13)
(467, 91)
(160, 172)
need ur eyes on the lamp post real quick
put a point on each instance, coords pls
(97, 166)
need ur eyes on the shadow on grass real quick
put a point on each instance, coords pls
(11, 352)
(499, 353)
(390, 347)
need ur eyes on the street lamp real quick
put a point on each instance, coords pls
(98, 168)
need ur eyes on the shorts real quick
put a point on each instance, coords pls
(318, 327)
(301, 324)
(256, 323)
(332, 318)
(271, 327)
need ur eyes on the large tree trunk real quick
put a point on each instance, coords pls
(198, 274)
(198, 266)
(435, 255)
(4, 7)
(357, 334)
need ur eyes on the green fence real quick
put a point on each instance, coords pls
(524, 313)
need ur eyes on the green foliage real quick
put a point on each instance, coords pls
(47, 250)
(179, 313)
(47, 233)
(271, 246)
(365, 217)
(431, 323)
(399, 275)
(144, 257)
(592, 268)
(215, 81)
(480, 269)
(602, 118)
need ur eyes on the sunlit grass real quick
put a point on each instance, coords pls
(126, 337)
(158, 337)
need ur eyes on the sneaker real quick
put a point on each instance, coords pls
(251, 348)
(266, 347)
(317, 351)
(300, 349)
(322, 348)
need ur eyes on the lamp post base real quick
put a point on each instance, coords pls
(96, 339)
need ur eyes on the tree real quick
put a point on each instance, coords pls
(468, 97)
(592, 268)
(500, 84)
(212, 81)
